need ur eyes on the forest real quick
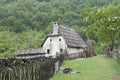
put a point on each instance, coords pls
(25, 23)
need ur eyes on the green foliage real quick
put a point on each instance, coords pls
(7, 43)
(11, 41)
(104, 24)
(30, 39)
(101, 48)
(25, 22)
(21, 15)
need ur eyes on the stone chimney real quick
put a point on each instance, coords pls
(55, 28)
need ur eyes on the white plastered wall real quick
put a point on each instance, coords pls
(72, 50)
(54, 45)
(75, 52)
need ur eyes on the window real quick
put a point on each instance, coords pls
(50, 39)
(48, 51)
(61, 50)
(59, 39)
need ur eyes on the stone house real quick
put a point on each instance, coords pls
(63, 40)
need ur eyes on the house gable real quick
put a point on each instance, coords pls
(53, 45)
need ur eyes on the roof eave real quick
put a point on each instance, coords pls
(77, 46)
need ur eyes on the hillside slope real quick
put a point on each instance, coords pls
(21, 15)
(25, 23)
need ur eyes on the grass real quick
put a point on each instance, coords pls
(94, 68)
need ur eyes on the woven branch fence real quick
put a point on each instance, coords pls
(28, 69)
(115, 54)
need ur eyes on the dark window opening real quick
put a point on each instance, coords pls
(48, 51)
(61, 50)
(59, 39)
(50, 39)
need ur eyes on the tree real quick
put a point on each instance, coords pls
(105, 23)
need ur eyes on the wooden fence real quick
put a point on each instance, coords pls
(28, 69)
(114, 55)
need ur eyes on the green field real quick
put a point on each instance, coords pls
(94, 68)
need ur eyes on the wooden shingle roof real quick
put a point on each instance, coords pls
(71, 37)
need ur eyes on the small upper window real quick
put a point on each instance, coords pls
(59, 39)
(50, 39)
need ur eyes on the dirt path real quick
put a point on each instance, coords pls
(117, 76)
